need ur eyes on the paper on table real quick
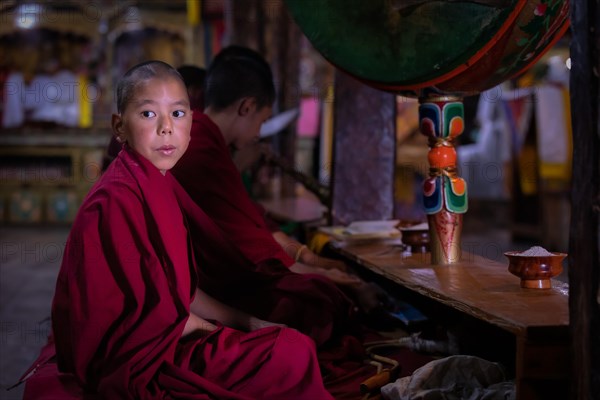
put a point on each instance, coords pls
(418, 227)
(360, 230)
(380, 227)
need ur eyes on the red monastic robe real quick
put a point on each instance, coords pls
(259, 283)
(122, 300)
(211, 178)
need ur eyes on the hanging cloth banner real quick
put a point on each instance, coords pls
(518, 108)
(553, 121)
(194, 8)
(85, 102)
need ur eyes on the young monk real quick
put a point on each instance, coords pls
(239, 94)
(128, 319)
(313, 306)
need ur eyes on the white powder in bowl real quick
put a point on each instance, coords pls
(535, 251)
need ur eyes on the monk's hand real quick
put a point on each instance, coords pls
(198, 325)
(328, 263)
(309, 257)
(371, 297)
(257, 323)
(342, 278)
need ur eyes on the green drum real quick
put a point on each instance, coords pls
(451, 47)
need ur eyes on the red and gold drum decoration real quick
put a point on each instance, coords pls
(438, 51)
(444, 193)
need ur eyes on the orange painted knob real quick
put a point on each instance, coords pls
(442, 157)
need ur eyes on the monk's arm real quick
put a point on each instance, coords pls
(368, 295)
(205, 307)
(304, 255)
(308, 262)
(335, 275)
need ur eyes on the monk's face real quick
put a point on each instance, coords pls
(248, 127)
(157, 121)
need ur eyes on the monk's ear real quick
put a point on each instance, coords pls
(247, 106)
(117, 127)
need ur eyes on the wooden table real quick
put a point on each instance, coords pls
(485, 290)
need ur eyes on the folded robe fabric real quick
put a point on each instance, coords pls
(251, 274)
(122, 300)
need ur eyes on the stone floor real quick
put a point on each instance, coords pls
(30, 258)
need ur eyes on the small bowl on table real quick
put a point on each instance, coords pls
(535, 271)
(415, 236)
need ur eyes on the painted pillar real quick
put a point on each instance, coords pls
(441, 119)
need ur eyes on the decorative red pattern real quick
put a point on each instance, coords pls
(429, 187)
(427, 127)
(445, 226)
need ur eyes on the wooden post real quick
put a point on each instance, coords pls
(267, 27)
(364, 152)
(286, 71)
(245, 29)
(584, 262)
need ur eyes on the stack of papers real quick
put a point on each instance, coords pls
(364, 230)
(419, 227)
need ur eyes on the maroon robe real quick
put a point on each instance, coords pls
(122, 300)
(258, 282)
(211, 178)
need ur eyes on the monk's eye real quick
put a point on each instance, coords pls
(178, 113)
(148, 114)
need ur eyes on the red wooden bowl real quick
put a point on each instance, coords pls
(535, 271)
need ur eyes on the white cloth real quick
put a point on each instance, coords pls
(54, 98)
(453, 378)
(552, 124)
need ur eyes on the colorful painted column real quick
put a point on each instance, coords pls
(441, 119)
